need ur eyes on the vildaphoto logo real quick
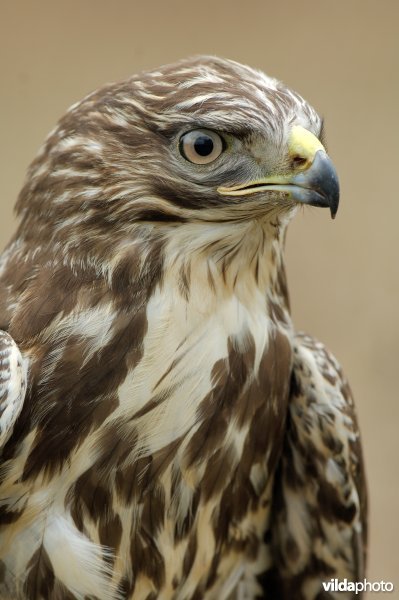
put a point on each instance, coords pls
(343, 585)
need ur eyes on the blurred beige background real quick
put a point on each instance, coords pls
(342, 56)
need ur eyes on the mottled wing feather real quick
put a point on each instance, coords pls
(318, 524)
(12, 385)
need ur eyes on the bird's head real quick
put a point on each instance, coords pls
(202, 140)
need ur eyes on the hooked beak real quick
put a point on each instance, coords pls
(315, 182)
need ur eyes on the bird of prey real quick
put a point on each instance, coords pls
(165, 432)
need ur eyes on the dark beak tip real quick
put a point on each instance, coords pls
(320, 185)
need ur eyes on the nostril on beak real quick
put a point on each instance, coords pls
(299, 162)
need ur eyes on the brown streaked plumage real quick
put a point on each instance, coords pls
(12, 385)
(177, 439)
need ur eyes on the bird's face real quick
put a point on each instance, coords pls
(236, 144)
(250, 175)
(202, 140)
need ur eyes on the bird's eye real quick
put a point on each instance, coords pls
(201, 146)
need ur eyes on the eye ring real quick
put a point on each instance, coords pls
(201, 146)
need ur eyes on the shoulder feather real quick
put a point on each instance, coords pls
(319, 528)
(12, 385)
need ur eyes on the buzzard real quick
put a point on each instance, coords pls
(165, 433)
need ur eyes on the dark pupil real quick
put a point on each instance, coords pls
(203, 145)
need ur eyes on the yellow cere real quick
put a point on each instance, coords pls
(303, 143)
